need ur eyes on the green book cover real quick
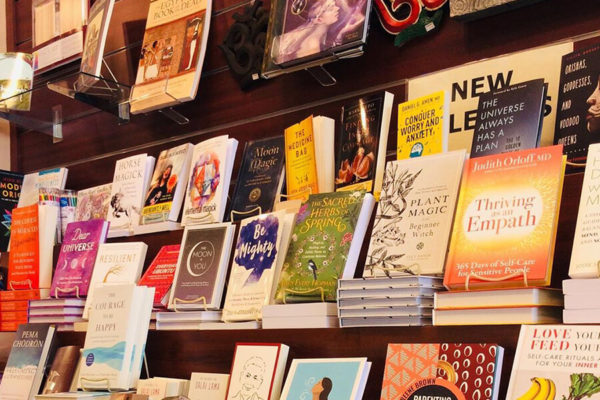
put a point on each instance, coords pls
(319, 247)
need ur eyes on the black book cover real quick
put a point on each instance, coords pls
(578, 108)
(260, 177)
(10, 189)
(509, 119)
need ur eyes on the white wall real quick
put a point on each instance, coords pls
(4, 126)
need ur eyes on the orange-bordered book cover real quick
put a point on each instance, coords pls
(505, 224)
(24, 256)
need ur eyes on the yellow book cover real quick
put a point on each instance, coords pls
(506, 219)
(423, 126)
(300, 161)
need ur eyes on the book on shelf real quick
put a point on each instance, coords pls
(32, 348)
(208, 386)
(56, 311)
(405, 281)
(206, 326)
(411, 320)
(325, 245)
(130, 184)
(582, 316)
(467, 82)
(413, 219)
(159, 388)
(304, 322)
(164, 197)
(54, 303)
(389, 292)
(20, 316)
(300, 316)
(172, 54)
(142, 324)
(202, 267)
(259, 254)
(467, 11)
(385, 301)
(579, 286)
(347, 377)
(389, 311)
(555, 360)
(76, 396)
(160, 273)
(62, 370)
(189, 316)
(584, 254)
(17, 81)
(509, 119)
(362, 143)
(493, 298)
(578, 106)
(257, 371)
(423, 125)
(442, 370)
(18, 305)
(300, 160)
(324, 132)
(93, 203)
(506, 200)
(50, 179)
(92, 57)
(26, 294)
(209, 178)
(261, 176)
(498, 316)
(115, 263)
(77, 258)
(10, 183)
(579, 301)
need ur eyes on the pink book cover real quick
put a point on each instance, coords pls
(77, 257)
(161, 272)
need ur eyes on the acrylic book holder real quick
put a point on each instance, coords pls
(23, 282)
(256, 209)
(499, 279)
(58, 290)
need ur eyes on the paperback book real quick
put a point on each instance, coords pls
(300, 160)
(50, 179)
(160, 273)
(10, 183)
(93, 203)
(63, 369)
(24, 256)
(95, 38)
(207, 386)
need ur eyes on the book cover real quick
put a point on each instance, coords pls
(253, 269)
(26, 363)
(95, 38)
(129, 185)
(10, 189)
(506, 220)
(172, 54)
(202, 266)
(578, 107)
(165, 193)
(319, 248)
(77, 258)
(62, 370)
(206, 386)
(19, 295)
(24, 256)
(93, 203)
(509, 119)
(447, 370)
(585, 255)
(208, 183)
(414, 216)
(49, 179)
(16, 81)
(300, 160)
(257, 371)
(423, 126)
(261, 176)
(160, 273)
(555, 361)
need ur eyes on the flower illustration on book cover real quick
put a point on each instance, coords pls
(256, 248)
(205, 179)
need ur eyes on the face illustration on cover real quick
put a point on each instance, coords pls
(250, 380)
(593, 112)
(321, 389)
(162, 189)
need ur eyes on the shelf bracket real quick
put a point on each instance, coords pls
(174, 115)
(57, 120)
(321, 75)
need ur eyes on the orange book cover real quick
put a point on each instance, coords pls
(20, 305)
(505, 224)
(14, 295)
(8, 316)
(24, 256)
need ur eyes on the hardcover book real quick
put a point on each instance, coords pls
(62, 370)
(362, 143)
(261, 176)
(26, 363)
(206, 386)
(93, 203)
(95, 39)
(129, 185)
(167, 187)
(257, 371)
(77, 258)
(49, 179)
(509, 119)
(160, 388)
(555, 361)
(578, 107)
(256, 263)
(10, 183)
(160, 273)
(442, 370)
(172, 54)
(414, 216)
(202, 267)
(506, 201)
(209, 178)
(423, 126)
(325, 244)
(300, 160)
(585, 255)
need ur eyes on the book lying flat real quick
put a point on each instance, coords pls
(498, 316)
(513, 297)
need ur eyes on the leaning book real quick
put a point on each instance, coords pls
(10, 183)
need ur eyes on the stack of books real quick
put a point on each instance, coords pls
(61, 312)
(300, 315)
(14, 306)
(393, 301)
(582, 305)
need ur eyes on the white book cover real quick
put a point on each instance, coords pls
(111, 336)
(257, 255)
(324, 135)
(585, 256)
(206, 386)
(142, 326)
(414, 216)
(165, 193)
(50, 179)
(209, 179)
(129, 185)
(116, 263)
(257, 371)
(159, 388)
(48, 220)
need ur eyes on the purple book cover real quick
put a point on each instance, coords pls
(77, 257)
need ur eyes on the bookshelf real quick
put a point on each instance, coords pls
(93, 142)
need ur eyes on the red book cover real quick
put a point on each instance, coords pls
(11, 326)
(24, 256)
(160, 273)
(6, 316)
(19, 305)
(13, 295)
